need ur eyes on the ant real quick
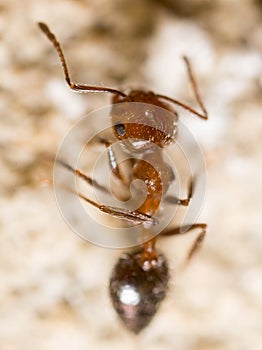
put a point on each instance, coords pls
(139, 280)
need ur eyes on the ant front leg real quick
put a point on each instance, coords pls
(184, 229)
(112, 158)
(114, 165)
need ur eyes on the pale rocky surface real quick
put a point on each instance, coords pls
(53, 291)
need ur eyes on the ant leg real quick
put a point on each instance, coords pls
(197, 244)
(186, 201)
(133, 216)
(113, 161)
(182, 230)
(175, 200)
(73, 86)
(82, 175)
(120, 213)
(204, 114)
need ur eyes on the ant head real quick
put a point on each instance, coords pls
(136, 293)
(142, 120)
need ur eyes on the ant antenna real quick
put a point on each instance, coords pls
(73, 86)
(193, 82)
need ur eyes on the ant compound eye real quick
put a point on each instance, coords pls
(120, 129)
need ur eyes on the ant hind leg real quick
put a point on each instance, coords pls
(186, 229)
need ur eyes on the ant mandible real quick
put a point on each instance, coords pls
(139, 279)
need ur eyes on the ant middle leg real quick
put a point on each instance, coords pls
(133, 216)
(121, 213)
(184, 202)
(79, 173)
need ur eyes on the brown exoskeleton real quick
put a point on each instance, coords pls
(139, 280)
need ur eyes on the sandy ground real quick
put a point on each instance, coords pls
(54, 286)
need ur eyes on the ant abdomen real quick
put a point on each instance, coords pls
(136, 293)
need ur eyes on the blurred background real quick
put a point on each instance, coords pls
(54, 286)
